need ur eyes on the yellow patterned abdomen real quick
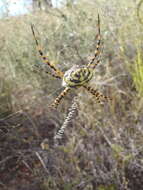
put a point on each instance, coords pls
(77, 76)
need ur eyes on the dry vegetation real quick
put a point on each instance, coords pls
(103, 147)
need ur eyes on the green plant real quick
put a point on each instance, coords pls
(137, 73)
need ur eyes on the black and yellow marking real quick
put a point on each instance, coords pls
(77, 77)
(53, 75)
(60, 97)
(45, 58)
(99, 96)
(39, 68)
(97, 51)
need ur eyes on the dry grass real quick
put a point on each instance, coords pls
(103, 147)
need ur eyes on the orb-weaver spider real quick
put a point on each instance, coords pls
(77, 76)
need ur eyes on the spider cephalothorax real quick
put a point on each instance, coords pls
(77, 76)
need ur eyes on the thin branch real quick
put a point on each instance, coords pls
(139, 10)
(42, 162)
(104, 135)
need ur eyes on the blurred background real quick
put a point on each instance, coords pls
(102, 148)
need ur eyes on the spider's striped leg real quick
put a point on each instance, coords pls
(45, 58)
(53, 75)
(99, 96)
(60, 97)
(41, 69)
(97, 51)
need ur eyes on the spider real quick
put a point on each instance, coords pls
(77, 76)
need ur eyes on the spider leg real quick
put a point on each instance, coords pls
(97, 51)
(38, 68)
(60, 97)
(99, 96)
(45, 58)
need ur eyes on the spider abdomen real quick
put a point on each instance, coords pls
(77, 76)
